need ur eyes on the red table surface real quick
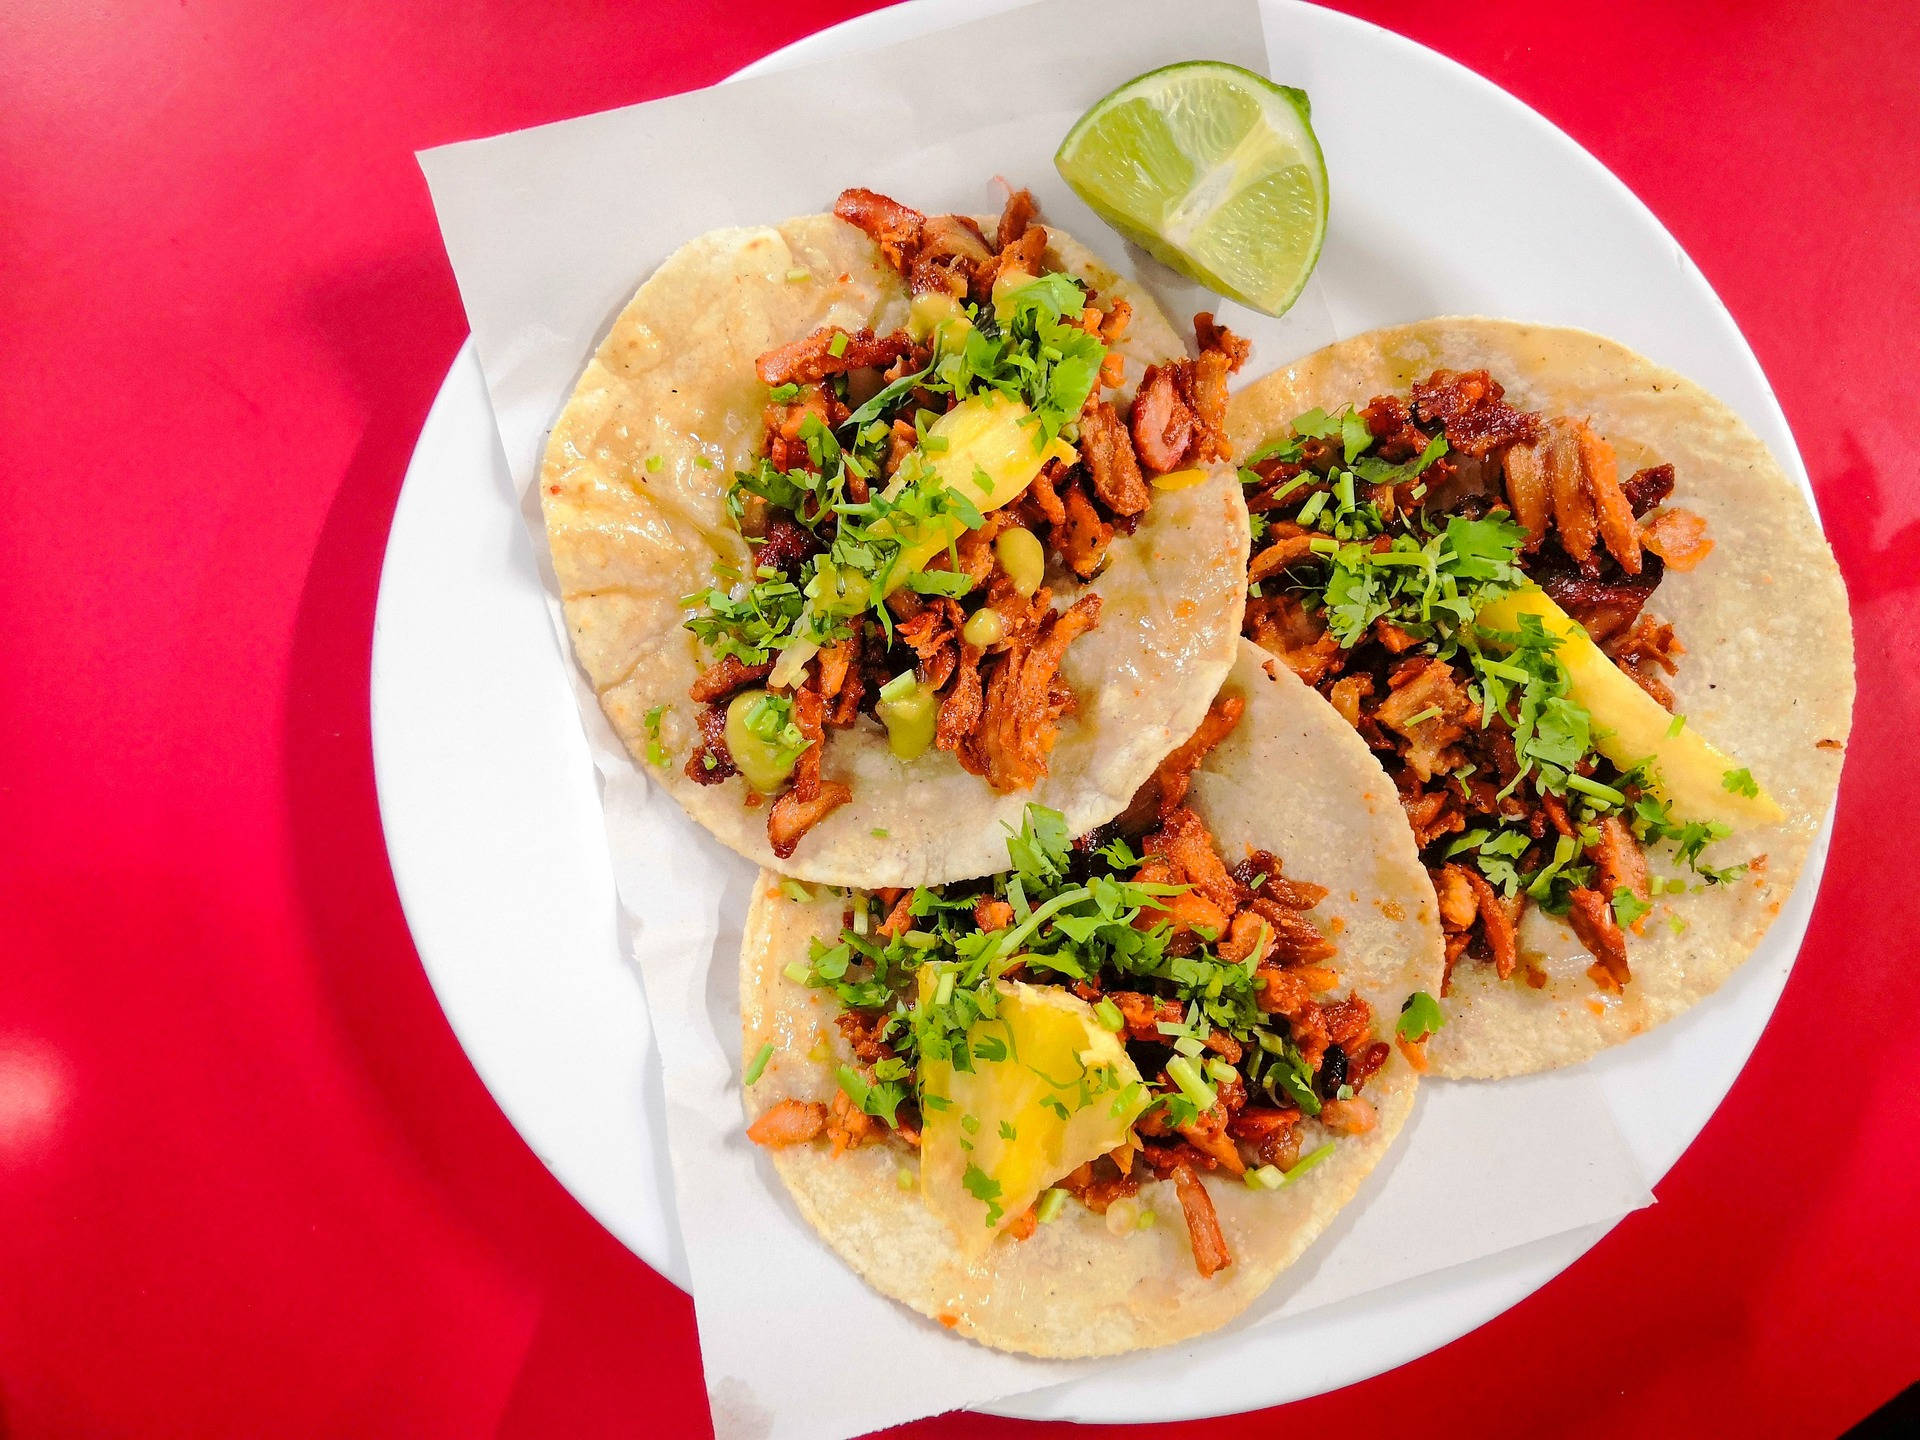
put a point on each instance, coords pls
(249, 1184)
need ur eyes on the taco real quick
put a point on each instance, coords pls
(1592, 631)
(1099, 1101)
(859, 549)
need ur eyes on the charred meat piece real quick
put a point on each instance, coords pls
(894, 227)
(811, 358)
(1470, 406)
(1111, 464)
(725, 676)
(1021, 709)
(1167, 786)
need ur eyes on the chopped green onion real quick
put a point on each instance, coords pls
(796, 971)
(1109, 1016)
(653, 464)
(1050, 1205)
(1307, 1162)
(1145, 1222)
(879, 832)
(799, 272)
(759, 1065)
(1310, 511)
(1594, 788)
(837, 346)
(1265, 1177)
(1221, 1071)
(1679, 723)
(1183, 1073)
(795, 891)
(1419, 716)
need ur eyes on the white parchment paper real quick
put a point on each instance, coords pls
(550, 230)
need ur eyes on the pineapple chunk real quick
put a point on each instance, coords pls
(1629, 724)
(989, 435)
(1064, 1093)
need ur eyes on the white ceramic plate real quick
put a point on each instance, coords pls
(487, 792)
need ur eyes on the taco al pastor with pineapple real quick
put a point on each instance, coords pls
(1098, 1101)
(865, 545)
(1593, 633)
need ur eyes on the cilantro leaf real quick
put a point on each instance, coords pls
(1420, 1016)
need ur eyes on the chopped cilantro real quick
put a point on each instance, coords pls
(1420, 1016)
(1740, 782)
(984, 1189)
(1628, 907)
(657, 753)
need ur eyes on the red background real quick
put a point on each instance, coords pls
(249, 1184)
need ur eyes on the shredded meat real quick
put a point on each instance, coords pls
(1469, 405)
(1645, 653)
(1082, 537)
(1207, 1133)
(1141, 1014)
(862, 1030)
(810, 799)
(1184, 842)
(1210, 1253)
(1023, 256)
(1297, 940)
(725, 676)
(894, 227)
(1211, 336)
(933, 634)
(1099, 1183)
(1111, 464)
(1591, 915)
(1259, 875)
(1496, 922)
(1678, 537)
(811, 358)
(1600, 472)
(1161, 422)
(848, 1126)
(1573, 514)
(1020, 713)
(1180, 410)
(1528, 495)
(1015, 218)
(961, 706)
(1453, 890)
(711, 761)
(789, 1122)
(1273, 1134)
(1167, 786)
(1620, 862)
(1282, 625)
(1647, 488)
(1431, 709)
(1604, 607)
(784, 547)
(1292, 545)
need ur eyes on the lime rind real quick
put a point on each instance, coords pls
(1212, 169)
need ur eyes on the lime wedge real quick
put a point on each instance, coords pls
(1212, 169)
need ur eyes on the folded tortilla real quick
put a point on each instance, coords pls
(1767, 675)
(633, 488)
(1292, 778)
